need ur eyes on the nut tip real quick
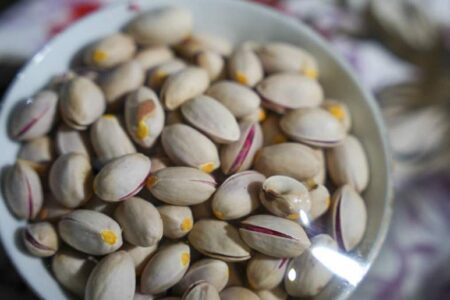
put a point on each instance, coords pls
(186, 225)
(207, 167)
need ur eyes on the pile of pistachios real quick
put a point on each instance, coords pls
(170, 164)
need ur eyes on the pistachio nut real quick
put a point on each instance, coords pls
(41, 239)
(265, 272)
(238, 156)
(177, 220)
(320, 201)
(283, 91)
(289, 159)
(38, 153)
(122, 178)
(180, 87)
(271, 130)
(22, 189)
(348, 164)
(33, 117)
(71, 179)
(181, 185)
(313, 126)
(151, 57)
(202, 211)
(162, 26)
(198, 42)
(340, 111)
(139, 255)
(165, 268)
(212, 118)
(274, 236)
(160, 73)
(277, 293)
(68, 140)
(72, 270)
(237, 196)
(112, 278)
(52, 210)
(348, 217)
(238, 292)
(186, 146)
(245, 67)
(90, 232)
(144, 116)
(110, 51)
(201, 290)
(212, 62)
(306, 275)
(218, 239)
(97, 204)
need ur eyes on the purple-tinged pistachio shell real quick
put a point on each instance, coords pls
(245, 67)
(198, 42)
(153, 56)
(265, 272)
(201, 290)
(238, 292)
(160, 73)
(52, 210)
(212, 62)
(320, 201)
(69, 140)
(41, 239)
(177, 220)
(340, 111)
(139, 255)
(277, 293)
(271, 130)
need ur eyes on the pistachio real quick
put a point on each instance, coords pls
(181, 185)
(139, 255)
(258, 115)
(201, 290)
(284, 91)
(237, 196)
(52, 210)
(97, 204)
(110, 51)
(41, 239)
(274, 236)
(90, 232)
(244, 67)
(320, 201)
(165, 268)
(162, 26)
(198, 42)
(289, 159)
(237, 292)
(23, 190)
(151, 57)
(71, 179)
(159, 74)
(277, 293)
(307, 276)
(144, 116)
(271, 130)
(69, 140)
(265, 272)
(340, 111)
(313, 126)
(184, 85)
(122, 178)
(347, 164)
(218, 239)
(177, 220)
(321, 176)
(212, 62)
(38, 153)
(212, 118)
(33, 117)
(112, 278)
(186, 146)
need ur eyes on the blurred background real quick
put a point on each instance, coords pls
(400, 49)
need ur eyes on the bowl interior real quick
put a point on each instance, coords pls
(237, 21)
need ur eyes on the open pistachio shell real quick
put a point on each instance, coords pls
(160, 73)
(212, 62)
(272, 133)
(320, 201)
(265, 272)
(153, 56)
(237, 292)
(41, 239)
(139, 255)
(68, 140)
(340, 111)
(198, 42)
(277, 293)
(201, 290)
(244, 67)
(177, 220)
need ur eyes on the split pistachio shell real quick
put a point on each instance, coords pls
(109, 139)
(340, 111)
(237, 292)
(165, 268)
(212, 118)
(140, 222)
(212, 62)
(285, 197)
(199, 42)
(38, 150)
(90, 232)
(265, 272)
(23, 190)
(72, 270)
(153, 56)
(159, 74)
(218, 239)
(144, 116)
(52, 210)
(284, 91)
(277, 293)
(320, 201)
(140, 255)
(162, 26)
(181, 185)
(244, 67)
(307, 276)
(289, 159)
(186, 146)
(41, 239)
(71, 179)
(122, 178)
(177, 220)
(237, 196)
(69, 140)
(112, 278)
(33, 117)
(313, 126)
(184, 85)
(272, 133)
(348, 217)
(201, 290)
(347, 164)
(274, 236)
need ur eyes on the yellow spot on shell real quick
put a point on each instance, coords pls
(186, 225)
(311, 73)
(337, 111)
(109, 116)
(151, 181)
(240, 77)
(295, 216)
(185, 258)
(99, 56)
(218, 214)
(262, 115)
(311, 184)
(327, 202)
(279, 138)
(108, 236)
(207, 167)
(142, 130)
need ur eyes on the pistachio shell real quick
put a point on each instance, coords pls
(340, 111)
(139, 296)
(177, 220)
(271, 130)
(244, 67)
(122, 178)
(162, 26)
(203, 42)
(321, 176)
(112, 278)
(212, 62)
(52, 210)
(139, 255)
(277, 293)
(313, 126)
(41, 239)
(218, 239)
(33, 117)
(258, 115)
(201, 290)
(184, 85)
(38, 150)
(213, 118)
(165, 268)
(274, 236)
(68, 140)
(159, 74)
(320, 201)
(237, 196)
(237, 292)
(265, 272)
(186, 146)
(144, 116)
(151, 57)
(181, 185)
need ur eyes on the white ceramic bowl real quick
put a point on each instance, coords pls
(238, 21)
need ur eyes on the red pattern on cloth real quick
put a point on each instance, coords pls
(76, 11)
